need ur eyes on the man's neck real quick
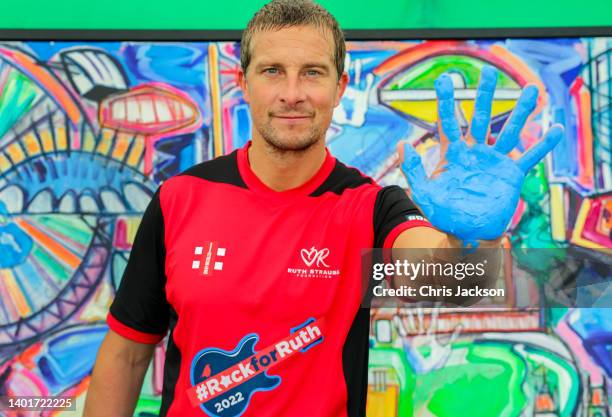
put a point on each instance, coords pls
(282, 171)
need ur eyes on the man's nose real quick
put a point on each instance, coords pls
(292, 92)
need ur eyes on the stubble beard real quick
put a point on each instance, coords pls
(292, 143)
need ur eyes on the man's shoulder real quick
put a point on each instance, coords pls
(222, 169)
(343, 178)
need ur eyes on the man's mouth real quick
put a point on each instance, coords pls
(291, 115)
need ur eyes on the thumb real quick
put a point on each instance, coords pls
(412, 168)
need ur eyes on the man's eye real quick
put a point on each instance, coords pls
(271, 70)
(312, 73)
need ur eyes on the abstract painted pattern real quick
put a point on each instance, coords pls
(89, 130)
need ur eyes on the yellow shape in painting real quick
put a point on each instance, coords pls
(498, 107)
(427, 110)
(106, 141)
(557, 212)
(5, 164)
(15, 292)
(121, 146)
(15, 152)
(89, 141)
(31, 144)
(381, 403)
(61, 140)
(132, 227)
(47, 140)
(137, 151)
(577, 238)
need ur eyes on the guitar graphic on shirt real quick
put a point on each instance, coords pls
(223, 382)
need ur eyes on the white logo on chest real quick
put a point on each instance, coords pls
(208, 258)
(311, 256)
(314, 265)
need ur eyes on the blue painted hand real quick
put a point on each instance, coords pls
(473, 192)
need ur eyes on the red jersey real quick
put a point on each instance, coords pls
(260, 290)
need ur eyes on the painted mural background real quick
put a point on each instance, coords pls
(89, 130)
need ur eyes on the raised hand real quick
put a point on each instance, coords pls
(473, 192)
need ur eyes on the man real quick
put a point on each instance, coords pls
(252, 260)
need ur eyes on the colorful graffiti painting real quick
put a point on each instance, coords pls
(89, 130)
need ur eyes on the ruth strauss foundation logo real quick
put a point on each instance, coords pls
(314, 265)
(310, 256)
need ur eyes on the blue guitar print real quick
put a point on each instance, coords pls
(235, 401)
(223, 382)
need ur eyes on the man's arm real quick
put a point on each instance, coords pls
(138, 320)
(117, 377)
(430, 238)
(429, 245)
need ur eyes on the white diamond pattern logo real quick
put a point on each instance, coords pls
(208, 258)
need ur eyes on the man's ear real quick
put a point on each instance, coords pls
(243, 84)
(342, 83)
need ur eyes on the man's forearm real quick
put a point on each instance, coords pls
(451, 242)
(116, 379)
(438, 250)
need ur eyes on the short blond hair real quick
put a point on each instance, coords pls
(280, 14)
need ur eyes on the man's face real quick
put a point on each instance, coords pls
(292, 86)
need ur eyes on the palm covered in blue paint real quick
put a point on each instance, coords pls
(473, 192)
